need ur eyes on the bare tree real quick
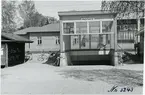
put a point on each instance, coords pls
(124, 8)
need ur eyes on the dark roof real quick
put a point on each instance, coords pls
(51, 27)
(47, 28)
(10, 37)
(88, 12)
(30, 29)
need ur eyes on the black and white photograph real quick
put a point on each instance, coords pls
(72, 47)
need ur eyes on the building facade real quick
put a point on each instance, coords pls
(87, 37)
(45, 38)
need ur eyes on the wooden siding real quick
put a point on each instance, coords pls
(13, 53)
(48, 42)
(16, 53)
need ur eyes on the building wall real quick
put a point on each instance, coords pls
(48, 42)
(13, 53)
(67, 42)
(26, 44)
(4, 55)
(79, 17)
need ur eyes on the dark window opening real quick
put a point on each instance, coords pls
(57, 41)
(39, 39)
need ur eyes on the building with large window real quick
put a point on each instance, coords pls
(88, 37)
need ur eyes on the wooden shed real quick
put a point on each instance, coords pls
(13, 49)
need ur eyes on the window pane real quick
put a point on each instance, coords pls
(68, 28)
(142, 23)
(100, 41)
(94, 41)
(81, 27)
(106, 26)
(84, 41)
(97, 41)
(106, 41)
(74, 42)
(94, 27)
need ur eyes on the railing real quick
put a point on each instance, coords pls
(126, 36)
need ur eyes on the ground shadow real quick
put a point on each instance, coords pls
(101, 62)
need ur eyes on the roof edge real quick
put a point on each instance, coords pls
(61, 13)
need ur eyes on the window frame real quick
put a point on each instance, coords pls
(102, 26)
(67, 28)
(99, 26)
(88, 31)
(90, 41)
(39, 40)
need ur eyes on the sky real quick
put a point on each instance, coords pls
(51, 8)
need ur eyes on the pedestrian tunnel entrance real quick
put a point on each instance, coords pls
(89, 40)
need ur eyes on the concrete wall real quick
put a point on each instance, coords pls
(90, 57)
(67, 42)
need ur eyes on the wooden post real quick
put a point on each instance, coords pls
(115, 43)
(138, 28)
(115, 31)
(24, 52)
(61, 37)
(29, 39)
(89, 41)
(6, 46)
(80, 41)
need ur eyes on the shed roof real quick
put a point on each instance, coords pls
(47, 28)
(88, 12)
(10, 37)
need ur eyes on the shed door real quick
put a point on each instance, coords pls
(3, 56)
